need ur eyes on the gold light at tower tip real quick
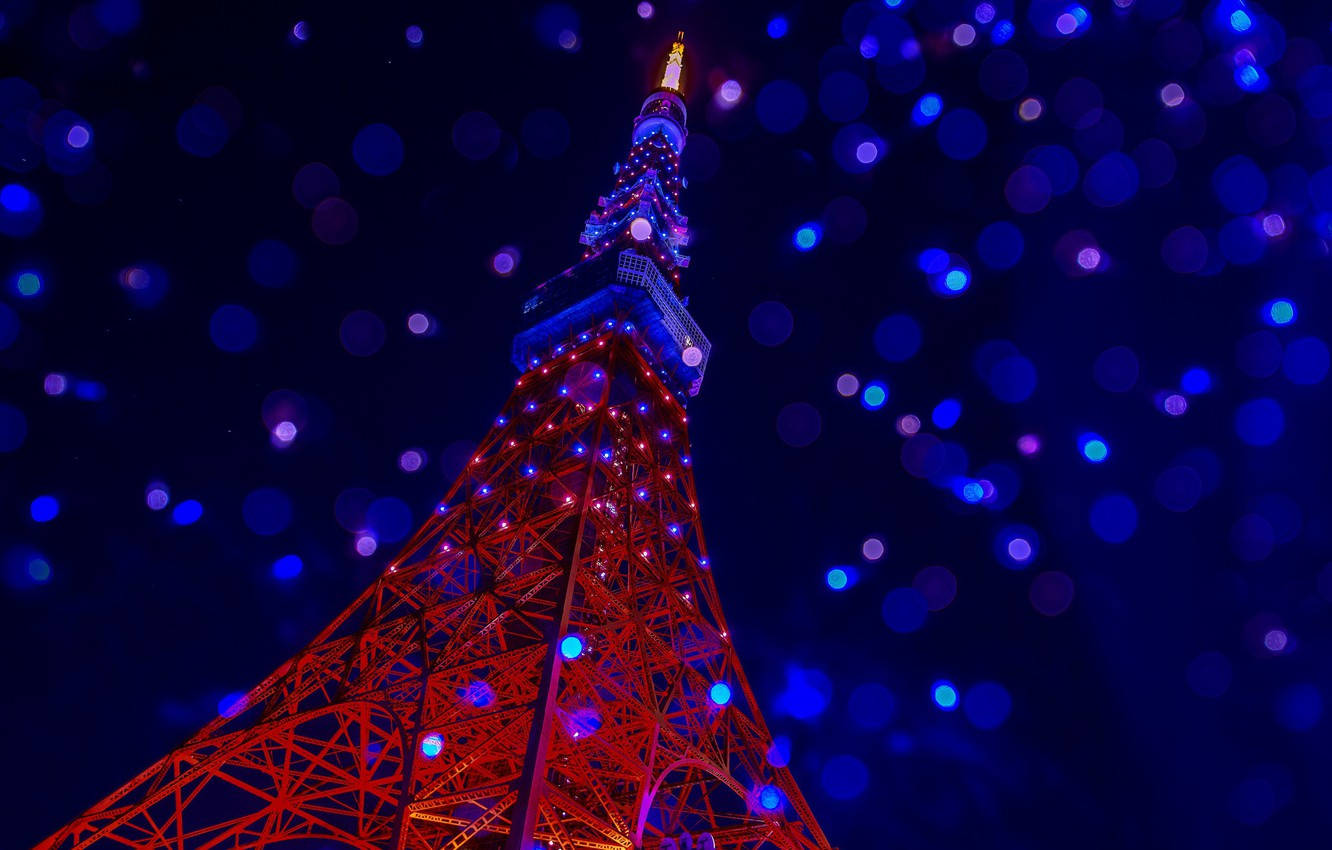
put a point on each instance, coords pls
(674, 65)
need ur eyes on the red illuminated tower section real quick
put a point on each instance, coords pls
(546, 664)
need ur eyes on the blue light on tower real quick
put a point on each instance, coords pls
(770, 798)
(720, 693)
(944, 695)
(572, 646)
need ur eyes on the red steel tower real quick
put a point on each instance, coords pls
(546, 664)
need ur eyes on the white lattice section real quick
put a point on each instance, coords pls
(638, 271)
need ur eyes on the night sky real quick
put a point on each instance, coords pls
(1012, 452)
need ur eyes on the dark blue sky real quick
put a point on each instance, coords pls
(1108, 231)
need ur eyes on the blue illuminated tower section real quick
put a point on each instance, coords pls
(634, 251)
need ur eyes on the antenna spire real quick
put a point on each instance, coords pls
(674, 64)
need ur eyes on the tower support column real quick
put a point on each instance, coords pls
(523, 815)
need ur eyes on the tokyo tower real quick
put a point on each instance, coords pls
(546, 664)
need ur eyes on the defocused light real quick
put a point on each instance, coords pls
(287, 567)
(956, 280)
(1029, 444)
(1093, 447)
(1275, 640)
(777, 27)
(78, 137)
(872, 549)
(411, 460)
(932, 260)
(366, 545)
(645, 10)
(1280, 312)
(720, 693)
(187, 512)
(284, 432)
(926, 109)
(946, 413)
(964, 35)
(837, 578)
(44, 508)
(770, 798)
(1089, 258)
(867, 152)
(1240, 21)
(944, 695)
(28, 284)
(729, 93)
(847, 385)
(1019, 549)
(432, 745)
(640, 228)
(1172, 94)
(1196, 380)
(572, 646)
(1250, 77)
(418, 323)
(157, 497)
(874, 395)
(807, 236)
(231, 704)
(1030, 109)
(415, 35)
(39, 569)
(504, 262)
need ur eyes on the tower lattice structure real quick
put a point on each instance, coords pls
(546, 664)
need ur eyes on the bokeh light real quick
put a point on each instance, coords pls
(944, 694)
